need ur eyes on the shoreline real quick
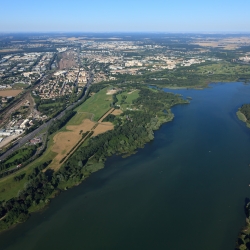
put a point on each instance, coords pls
(242, 118)
(245, 230)
(93, 164)
(69, 184)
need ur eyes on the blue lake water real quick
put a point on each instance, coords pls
(184, 190)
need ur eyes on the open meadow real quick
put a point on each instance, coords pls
(125, 99)
(98, 104)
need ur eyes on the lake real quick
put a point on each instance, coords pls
(186, 189)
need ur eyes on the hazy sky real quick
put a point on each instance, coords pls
(125, 15)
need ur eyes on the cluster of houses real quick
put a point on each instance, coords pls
(61, 84)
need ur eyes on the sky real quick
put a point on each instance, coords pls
(125, 16)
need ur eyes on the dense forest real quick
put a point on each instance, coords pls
(132, 130)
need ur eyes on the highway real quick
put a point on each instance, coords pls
(31, 135)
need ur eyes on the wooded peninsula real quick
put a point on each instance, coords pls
(137, 110)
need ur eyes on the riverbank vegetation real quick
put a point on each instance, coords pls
(33, 189)
(243, 242)
(244, 114)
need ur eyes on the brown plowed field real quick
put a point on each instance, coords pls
(64, 141)
(102, 128)
(10, 92)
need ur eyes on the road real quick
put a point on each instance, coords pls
(19, 102)
(31, 135)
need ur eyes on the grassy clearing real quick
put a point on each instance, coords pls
(20, 85)
(18, 156)
(79, 117)
(241, 116)
(9, 188)
(48, 105)
(125, 99)
(98, 104)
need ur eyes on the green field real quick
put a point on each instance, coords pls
(125, 99)
(52, 105)
(98, 104)
(18, 156)
(79, 117)
(20, 85)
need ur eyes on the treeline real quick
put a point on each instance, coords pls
(243, 241)
(36, 191)
(182, 77)
(153, 102)
(96, 88)
(18, 157)
(109, 118)
(245, 109)
(58, 124)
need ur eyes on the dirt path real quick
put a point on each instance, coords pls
(3, 217)
(105, 115)
(66, 140)
(132, 91)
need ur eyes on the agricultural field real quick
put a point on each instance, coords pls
(125, 99)
(64, 141)
(68, 137)
(13, 92)
(98, 104)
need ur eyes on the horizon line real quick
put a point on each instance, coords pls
(130, 32)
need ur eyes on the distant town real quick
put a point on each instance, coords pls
(41, 75)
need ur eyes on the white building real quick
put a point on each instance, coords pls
(23, 125)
